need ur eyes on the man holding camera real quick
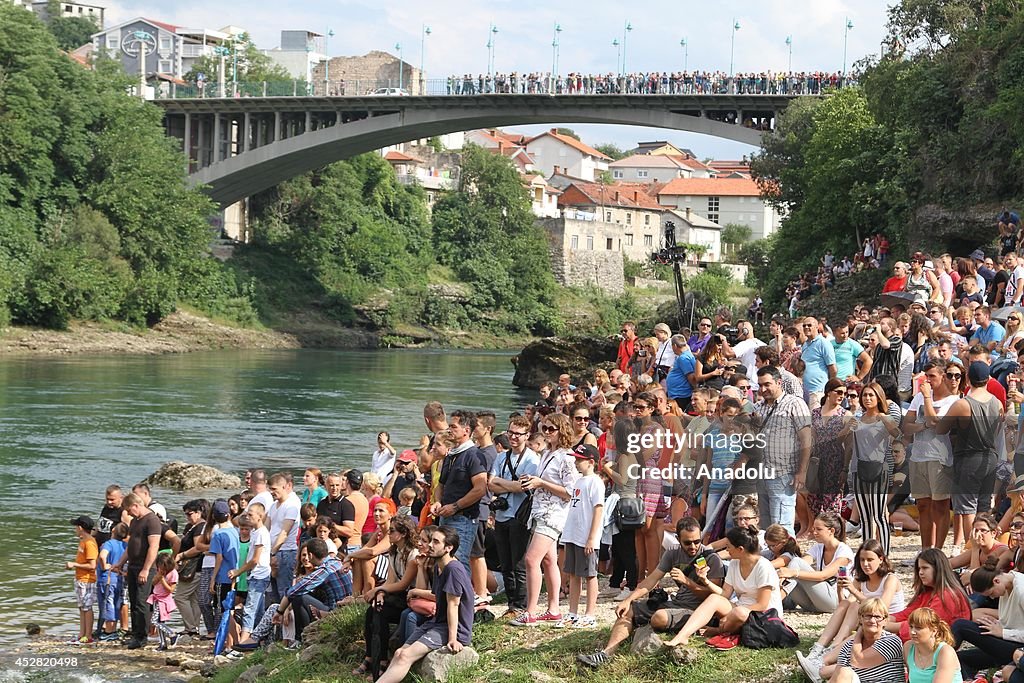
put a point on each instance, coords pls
(644, 606)
(511, 535)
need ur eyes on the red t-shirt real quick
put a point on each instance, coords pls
(626, 347)
(952, 606)
(894, 284)
(997, 390)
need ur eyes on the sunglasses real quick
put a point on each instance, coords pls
(641, 406)
(703, 325)
(517, 434)
(954, 375)
(581, 418)
(841, 392)
(547, 429)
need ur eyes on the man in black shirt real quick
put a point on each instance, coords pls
(404, 476)
(462, 484)
(137, 565)
(111, 514)
(332, 505)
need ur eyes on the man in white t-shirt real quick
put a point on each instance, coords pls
(745, 347)
(257, 563)
(931, 458)
(258, 486)
(382, 462)
(284, 530)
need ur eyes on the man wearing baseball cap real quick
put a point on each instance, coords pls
(404, 476)
(85, 576)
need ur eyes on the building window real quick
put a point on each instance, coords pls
(590, 243)
(647, 219)
(609, 244)
(112, 41)
(617, 174)
(629, 218)
(165, 43)
(629, 239)
(607, 216)
(713, 206)
(574, 243)
(165, 66)
(648, 240)
(641, 173)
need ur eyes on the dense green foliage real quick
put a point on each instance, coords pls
(612, 150)
(736, 233)
(938, 125)
(96, 219)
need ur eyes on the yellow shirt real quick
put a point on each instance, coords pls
(88, 551)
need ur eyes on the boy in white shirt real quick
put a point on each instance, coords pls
(582, 538)
(258, 565)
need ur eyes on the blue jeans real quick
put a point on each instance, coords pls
(776, 500)
(286, 560)
(253, 611)
(466, 529)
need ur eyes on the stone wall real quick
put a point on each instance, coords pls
(373, 70)
(571, 267)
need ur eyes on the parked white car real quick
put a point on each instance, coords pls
(390, 92)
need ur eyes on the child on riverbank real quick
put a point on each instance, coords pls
(582, 538)
(162, 600)
(111, 583)
(85, 576)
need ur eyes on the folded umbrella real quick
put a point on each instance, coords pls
(225, 622)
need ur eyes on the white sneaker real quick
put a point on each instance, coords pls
(810, 667)
(623, 594)
(585, 621)
(852, 530)
(568, 619)
(817, 651)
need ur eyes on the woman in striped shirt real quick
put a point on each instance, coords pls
(872, 655)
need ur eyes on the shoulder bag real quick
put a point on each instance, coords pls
(767, 629)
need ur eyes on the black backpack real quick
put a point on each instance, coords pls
(767, 629)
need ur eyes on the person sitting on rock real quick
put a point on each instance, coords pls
(451, 626)
(680, 564)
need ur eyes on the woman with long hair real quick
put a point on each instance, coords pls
(829, 426)
(872, 462)
(556, 475)
(870, 655)
(388, 600)
(750, 578)
(651, 486)
(316, 486)
(984, 544)
(711, 364)
(618, 461)
(188, 595)
(780, 546)
(580, 414)
(995, 636)
(813, 576)
(921, 337)
(931, 652)
(1014, 333)
(935, 587)
(873, 577)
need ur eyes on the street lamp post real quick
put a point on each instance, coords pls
(846, 37)
(625, 32)
(492, 39)
(686, 51)
(554, 50)
(732, 50)
(327, 64)
(618, 55)
(789, 44)
(424, 32)
(222, 52)
(401, 64)
(234, 66)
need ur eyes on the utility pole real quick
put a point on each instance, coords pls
(789, 44)
(625, 32)
(846, 38)
(686, 52)
(327, 64)
(554, 50)
(732, 50)
(424, 32)
(401, 64)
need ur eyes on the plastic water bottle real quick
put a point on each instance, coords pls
(1012, 384)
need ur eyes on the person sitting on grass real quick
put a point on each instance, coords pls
(750, 578)
(683, 565)
(451, 626)
(935, 587)
(873, 577)
(812, 579)
(931, 652)
(871, 656)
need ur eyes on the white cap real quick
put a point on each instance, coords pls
(160, 511)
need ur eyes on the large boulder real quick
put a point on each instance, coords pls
(438, 665)
(183, 476)
(956, 230)
(544, 360)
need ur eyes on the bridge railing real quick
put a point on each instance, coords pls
(796, 84)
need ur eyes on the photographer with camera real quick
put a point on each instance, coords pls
(511, 533)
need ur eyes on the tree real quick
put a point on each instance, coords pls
(735, 233)
(611, 150)
(70, 32)
(253, 66)
(567, 131)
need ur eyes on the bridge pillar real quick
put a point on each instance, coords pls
(201, 142)
(247, 133)
(216, 138)
(188, 142)
(309, 122)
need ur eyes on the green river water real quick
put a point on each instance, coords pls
(71, 426)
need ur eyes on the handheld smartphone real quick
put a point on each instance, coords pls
(842, 572)
(700, 562)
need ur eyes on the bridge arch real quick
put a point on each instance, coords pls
(254, 170)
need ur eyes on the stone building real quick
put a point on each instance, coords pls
(372, 71)
(585, 252)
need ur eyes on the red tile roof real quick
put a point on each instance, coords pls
(401, 156)
(632, 195)
(572, 142)
(167, 27)
(689, 162)
(711, 187)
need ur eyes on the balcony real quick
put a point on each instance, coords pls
(196, 51)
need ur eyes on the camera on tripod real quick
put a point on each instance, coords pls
(671, 253)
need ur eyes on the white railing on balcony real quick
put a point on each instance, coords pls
(195, 51)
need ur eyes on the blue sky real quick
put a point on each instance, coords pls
(459, 31)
